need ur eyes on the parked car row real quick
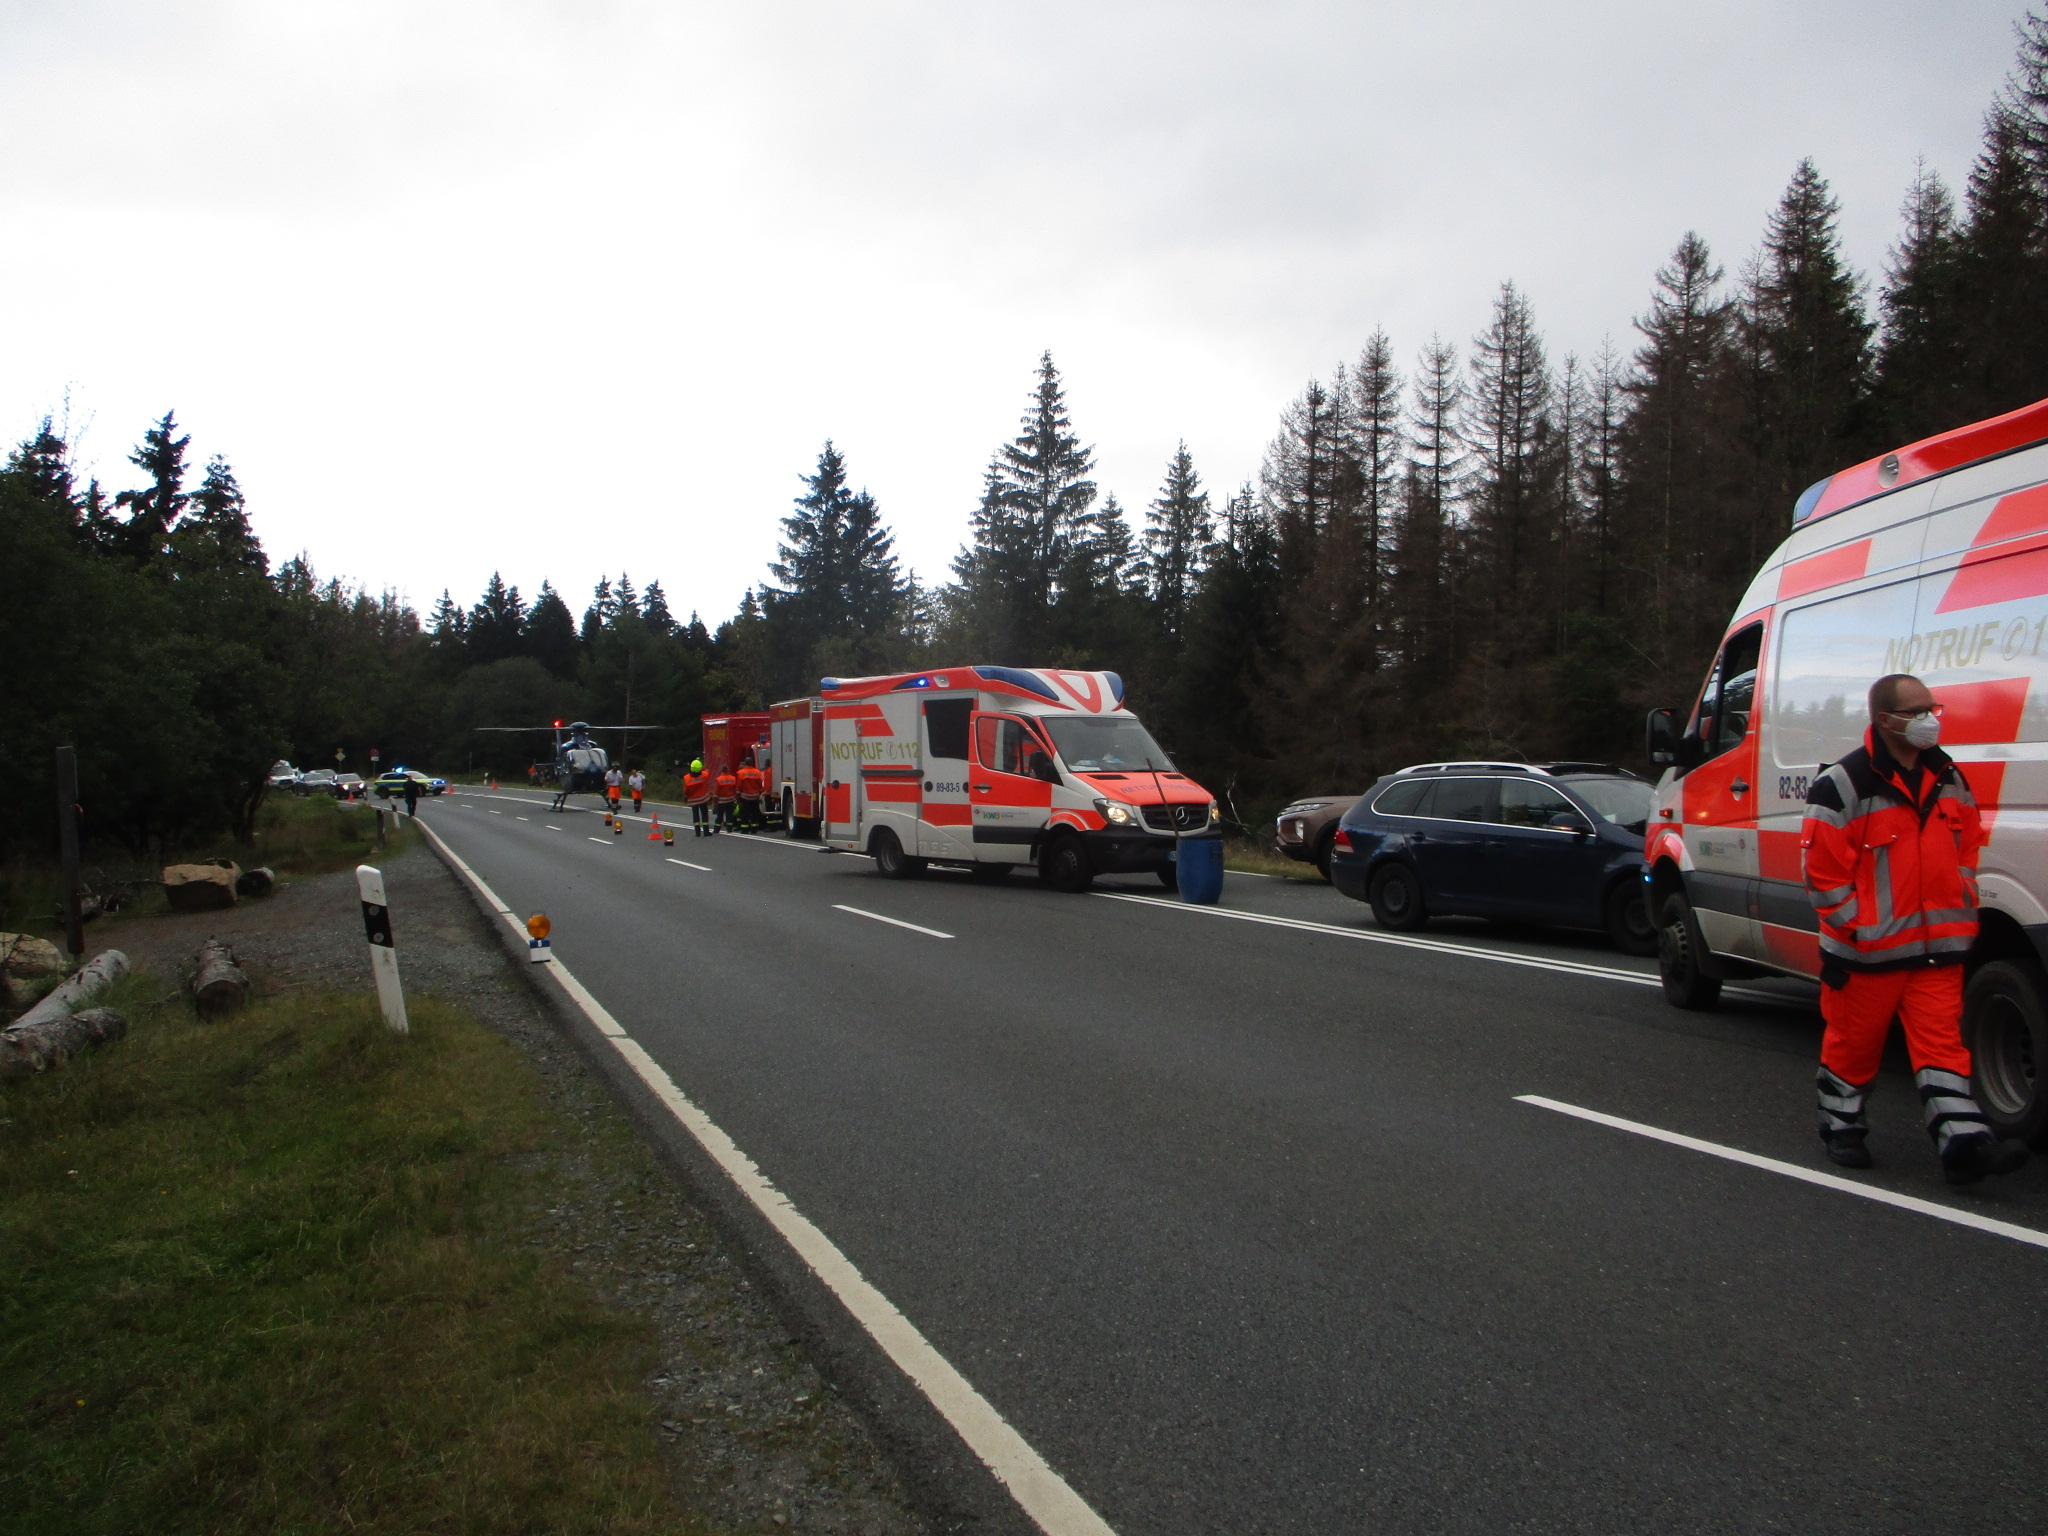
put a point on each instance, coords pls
(350, 786)
(1551, 843)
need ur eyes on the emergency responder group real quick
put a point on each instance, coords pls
(727, 799)
(1890, 841)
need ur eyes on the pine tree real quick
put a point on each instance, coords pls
(1299, 476)
(155, 510)
(549, 634)
(1178, 527)
(1426, 566)
(2001, 278)
(654, 611)
(604, 607)
(217, 532)
(840, 583)
(871, 589)
(1598, 488)
(1510, 489)
(1921, 364)
(495, 623)
(1372, 440)
(42, 467)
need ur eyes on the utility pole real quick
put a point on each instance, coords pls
(67, 846)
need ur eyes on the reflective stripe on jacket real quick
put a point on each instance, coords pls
(696, 788)
(1894, 880)
(750, 783)
(728, 786)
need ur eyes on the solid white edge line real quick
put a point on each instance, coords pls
(1039, 1491)
(895, 921)
(1399, 941)
(688, 865)
(2018, 1234)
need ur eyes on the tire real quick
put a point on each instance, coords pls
(1396, 897)
(1324, 845)
(1063, 865)
(789, 816)
(1626, 916)
(891, 862)
(2005, 1025)
(1169, 877)
(1679, 947)
(989, 874)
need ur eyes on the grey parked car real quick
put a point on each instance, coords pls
(1306, 828)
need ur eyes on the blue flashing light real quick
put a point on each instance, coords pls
(1116, 687)
(912, 682)
(1809, 499)
(1016, 677)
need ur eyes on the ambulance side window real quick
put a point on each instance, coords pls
(985, 741)
(945, 726)
(1730, 695)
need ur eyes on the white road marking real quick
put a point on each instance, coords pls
(895, 921)
(497, 813)
(1040, 1492)
(546, 828)
(605, 840)
(1833, 1181)
(688, 865)
(778, 842)
(522, 818)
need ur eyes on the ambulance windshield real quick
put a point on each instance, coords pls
(1105, 743)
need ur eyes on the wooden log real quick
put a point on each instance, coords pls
(219, 985)
(91, 979)
(256, 882)
(53, 1041)
(200, 887)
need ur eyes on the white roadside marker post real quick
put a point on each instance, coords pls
(383, 958)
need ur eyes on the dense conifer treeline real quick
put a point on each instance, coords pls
(1492, 550)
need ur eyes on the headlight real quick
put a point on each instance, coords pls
(1116, 813)
(1215, 814)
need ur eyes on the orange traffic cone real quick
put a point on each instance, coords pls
(494, 781)
(654, 832)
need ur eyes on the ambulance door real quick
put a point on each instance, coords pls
(1011, 788)
(944, 829)
(1721, 795)
(840, 766)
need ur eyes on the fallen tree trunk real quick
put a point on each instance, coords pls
(219, 985)
(47, 1043)
(91, 979)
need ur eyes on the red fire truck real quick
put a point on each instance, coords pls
(988, 768)
(1931, 560)
(729, 737)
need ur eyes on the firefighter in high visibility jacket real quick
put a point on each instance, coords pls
(750, 794)
(725, 793)
(697, 796)
(1891, 838)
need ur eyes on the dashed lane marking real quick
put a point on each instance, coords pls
(1971, 1219)
(522, 818)
(893, 921)
(497, 813)
(688, 865)
(1053, 1506)
(604, 841)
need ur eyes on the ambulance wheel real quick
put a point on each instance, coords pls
(2005, 1025)
(1396, 897)
(891, 862)
(1064, 865)
(988, 874)
(1626, 917)
(1679, 947)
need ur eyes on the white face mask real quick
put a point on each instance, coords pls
(1923, 731)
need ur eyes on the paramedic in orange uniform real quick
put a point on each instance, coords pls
(1891, 839)
(725, 790)
(697, 796)
(750, 794)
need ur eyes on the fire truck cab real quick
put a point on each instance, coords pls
(987, 768)
(1931, 560)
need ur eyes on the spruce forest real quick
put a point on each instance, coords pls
(1480, 548)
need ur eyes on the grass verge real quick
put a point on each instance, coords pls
(274, 1275)
(1250, 858)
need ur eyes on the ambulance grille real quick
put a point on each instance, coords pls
(1177, 818)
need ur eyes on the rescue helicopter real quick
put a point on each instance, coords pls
(580, 763)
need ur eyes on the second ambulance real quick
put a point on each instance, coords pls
(1931, 560)
(988, 768)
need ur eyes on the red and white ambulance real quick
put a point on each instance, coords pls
(987, 768)
(1931, 560)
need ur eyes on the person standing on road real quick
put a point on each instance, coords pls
(638, 784)
(1890, 839)
(725, 790)
(614, 781)
(750, 794)
(697, 796)
(412, 795)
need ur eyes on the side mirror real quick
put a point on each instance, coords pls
(1570, 821)
(1660, 736)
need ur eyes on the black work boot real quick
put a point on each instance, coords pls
(1846, 1149)
(1967, 1159)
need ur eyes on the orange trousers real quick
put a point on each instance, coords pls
(1928, 1001)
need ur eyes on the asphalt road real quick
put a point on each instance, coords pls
(1241, 1225)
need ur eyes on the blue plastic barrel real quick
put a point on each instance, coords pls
(1200, 870)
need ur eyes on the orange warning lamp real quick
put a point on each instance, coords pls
(538, 925)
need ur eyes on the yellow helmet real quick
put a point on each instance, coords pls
(697, 766)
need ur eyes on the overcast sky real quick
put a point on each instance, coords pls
(570, 287)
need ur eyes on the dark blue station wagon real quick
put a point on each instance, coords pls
(1556, 843)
